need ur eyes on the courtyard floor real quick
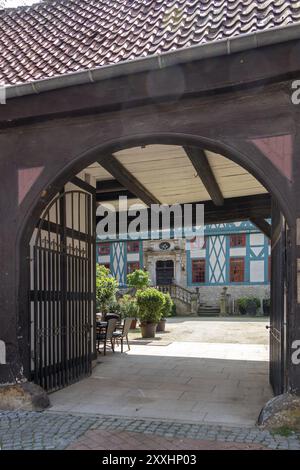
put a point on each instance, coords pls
(200, 371)
(199, 386)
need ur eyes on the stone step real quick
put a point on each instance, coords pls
(209, 311)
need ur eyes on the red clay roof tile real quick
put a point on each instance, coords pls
(63, 36)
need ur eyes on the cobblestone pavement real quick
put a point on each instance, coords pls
(49, 430)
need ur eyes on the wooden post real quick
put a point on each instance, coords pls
(12, 370)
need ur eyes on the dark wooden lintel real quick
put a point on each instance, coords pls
(262, 225)
(201, 164)
(83, 185)
(109, 186)
(121, 174)
(114, 195)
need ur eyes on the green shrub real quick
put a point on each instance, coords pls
(128, 307)
(113, 306)
(139, 279)
(106, 288)
(247, 303)
(150, 303)
(173, 312)
(166, 310)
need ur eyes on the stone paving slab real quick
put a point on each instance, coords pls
(182, 381)
(49, 430)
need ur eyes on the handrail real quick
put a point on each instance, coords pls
(177, 292)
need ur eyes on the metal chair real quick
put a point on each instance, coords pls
(123, 333)
(107, 335)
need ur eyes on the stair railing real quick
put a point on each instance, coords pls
(178, 292)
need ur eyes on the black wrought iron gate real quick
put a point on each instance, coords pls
(62, 291)
(280, 253)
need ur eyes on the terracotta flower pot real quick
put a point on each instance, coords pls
(133, 324)
(148, 329)
(161, 326)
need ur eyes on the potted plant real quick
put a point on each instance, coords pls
(106, 288)
(248, 305)
(129, 309)
(266, 306)
(150, 302)
(166, 311)
(138, 279)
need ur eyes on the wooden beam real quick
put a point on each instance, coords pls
(83, 185)
(201, 164)
(114, 195)
(109, 186)
(262, 225)
(123, 176)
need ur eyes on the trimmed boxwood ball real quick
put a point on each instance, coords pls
(150, 302)
(139, 279)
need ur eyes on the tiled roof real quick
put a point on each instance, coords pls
(64, 36)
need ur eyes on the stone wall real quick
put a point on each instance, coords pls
(210, 295)
(182, 309)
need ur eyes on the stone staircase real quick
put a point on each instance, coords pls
(208, 311)
(188, 302)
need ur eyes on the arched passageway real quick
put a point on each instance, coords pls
(74, 143)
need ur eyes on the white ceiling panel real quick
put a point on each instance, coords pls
(168, 174)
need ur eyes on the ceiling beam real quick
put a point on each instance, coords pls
(130, 182)
(109, 186)
(83, 185)
(262, 225)
(201, 164)
(114, 195)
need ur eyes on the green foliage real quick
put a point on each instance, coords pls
(150, 302)
(139, 279)
(113, 306)
(173, 312)
(106, 288)
(247, 303)
(284, 431)
(128, 307)
(167, 308)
